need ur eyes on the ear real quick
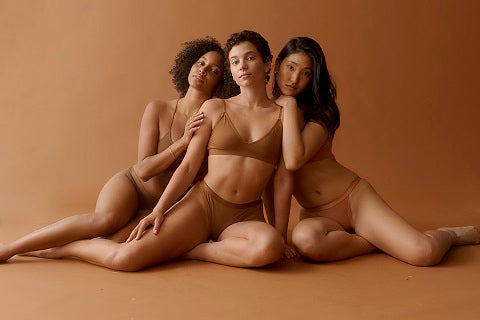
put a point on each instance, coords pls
(268, 66)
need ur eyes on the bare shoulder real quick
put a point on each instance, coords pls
(159, 106)
(213, 106)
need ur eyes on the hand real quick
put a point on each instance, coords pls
(153, 218)
(192, 125)
(286, 101)
(289, 252)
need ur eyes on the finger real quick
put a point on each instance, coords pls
(141, 227)
(132, 234)
(158, 222)
(196, 123)
(195, 117)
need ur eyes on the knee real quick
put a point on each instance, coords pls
(308, 242)
(266, 249)
(105, 223)
(424, 253)
(121, 260)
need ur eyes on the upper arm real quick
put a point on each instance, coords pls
(149, 130)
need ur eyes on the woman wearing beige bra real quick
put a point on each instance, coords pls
(166, 130)
(342, 216)
(243, 136)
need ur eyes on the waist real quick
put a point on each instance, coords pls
(238, 184)
(203, 185)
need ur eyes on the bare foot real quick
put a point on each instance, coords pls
(4, 252)
(51, 253)
(463, 235)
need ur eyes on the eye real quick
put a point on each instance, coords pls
(307, 74)
(216, 72)
(201, 63)
(290, 67)
(251, 58)
(234, 62)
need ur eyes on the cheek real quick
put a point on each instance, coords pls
(304, 83)
(280, 78)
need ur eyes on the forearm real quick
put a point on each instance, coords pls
(268, 202)
(153, 165)
(283, 188)
(179, 183)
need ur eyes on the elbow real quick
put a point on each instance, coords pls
(141, 172)
(292, 164)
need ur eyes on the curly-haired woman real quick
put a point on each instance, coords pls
(165, 132)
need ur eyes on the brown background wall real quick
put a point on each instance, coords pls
(76, 75)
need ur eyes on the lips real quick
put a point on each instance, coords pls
(199, 78)
(291, 87)
(245, 75)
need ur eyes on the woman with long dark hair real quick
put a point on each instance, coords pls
(341, 215)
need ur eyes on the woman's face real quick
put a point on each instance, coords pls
(206, 72)
(246, 64)
(294, 73)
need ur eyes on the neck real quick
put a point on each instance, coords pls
(253, 96)
(192, 101)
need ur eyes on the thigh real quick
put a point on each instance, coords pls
(182, 229)
(123, 234)
(375, 221)
(118, 199)
(248, 230)
(317, 225)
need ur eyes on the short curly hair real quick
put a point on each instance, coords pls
(185, 59)
(258, 41)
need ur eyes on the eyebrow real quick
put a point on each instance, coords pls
(204, 58)
(293, 62)
(245, 54)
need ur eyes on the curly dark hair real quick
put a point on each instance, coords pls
(257, 40)
(318, 99)
(191, 52)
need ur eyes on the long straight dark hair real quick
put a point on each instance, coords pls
(318, 99)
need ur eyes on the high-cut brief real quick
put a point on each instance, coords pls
(146, 201)
(218, 213)
(338, 209)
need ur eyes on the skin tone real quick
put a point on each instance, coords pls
(315, 183)
(181, 231)
(117, 202)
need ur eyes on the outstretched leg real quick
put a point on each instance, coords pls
(375, 221)
(323, 239)
(242, 244)
(181, 230)
(116, 204)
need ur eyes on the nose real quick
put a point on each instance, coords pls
(243, 65)
(201, 71)
(294, 77)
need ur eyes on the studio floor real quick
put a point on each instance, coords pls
(374, 286)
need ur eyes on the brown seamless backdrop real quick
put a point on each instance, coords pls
(75, 77)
